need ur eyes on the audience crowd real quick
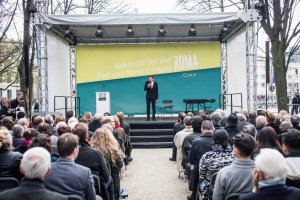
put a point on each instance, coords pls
(56, 157)
(239, 156)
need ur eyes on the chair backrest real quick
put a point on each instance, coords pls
(74, 197)
(8, 183)
(97, 184)
(167, 101)
(212, 101)
(233, 196)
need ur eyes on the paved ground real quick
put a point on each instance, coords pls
(151, 176)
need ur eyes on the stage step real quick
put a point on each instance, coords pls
(152, 145)
(151, 134)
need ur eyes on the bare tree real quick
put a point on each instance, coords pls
(283, 30)
(105, 6)
(210, 5)
(62, 6)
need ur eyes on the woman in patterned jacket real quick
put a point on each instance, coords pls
(212, 161)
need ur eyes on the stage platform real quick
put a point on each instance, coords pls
(151, 134)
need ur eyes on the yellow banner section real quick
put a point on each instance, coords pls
(108, 62)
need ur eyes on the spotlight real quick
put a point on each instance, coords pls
(192, 31)
(162, 32)
(261, 9)
(130, 33)
(225, 28)
(68, 32)
(99, 32)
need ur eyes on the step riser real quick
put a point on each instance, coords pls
(151, 147)
(154, 133)
(134, 140)
(151, 126)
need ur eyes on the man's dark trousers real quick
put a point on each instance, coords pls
(153, 102)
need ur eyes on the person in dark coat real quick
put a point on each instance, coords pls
(295, 103)
(95, 123)
(178, 126)
(252, 118)
(35, 166)
(295, 120)
(4, 107)
(271, 122)
(92, 158)
(151, 88)
(9, 160)
(232, 122)
(199, 147)
(269, 178)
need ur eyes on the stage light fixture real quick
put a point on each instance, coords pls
(192, 31)
(99, 32)
(225, 28)
(261, 8)
(68, 32)
(161, 32)
(130, 33)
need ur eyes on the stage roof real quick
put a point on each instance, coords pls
(209, 26)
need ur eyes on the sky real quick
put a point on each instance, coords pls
(154, 6)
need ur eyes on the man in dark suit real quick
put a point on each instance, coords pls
(151, 88)
(66, 176)
(35, 166)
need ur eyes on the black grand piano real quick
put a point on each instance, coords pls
(199, 103)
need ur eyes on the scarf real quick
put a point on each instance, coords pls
(271, 182)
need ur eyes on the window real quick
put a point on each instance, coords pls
(289, 76)
(289, 85)
(262, 85)
(9, 94)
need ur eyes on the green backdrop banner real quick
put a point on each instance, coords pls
(128, 95)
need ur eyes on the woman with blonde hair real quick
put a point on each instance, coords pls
(88, 116)
(104, 140)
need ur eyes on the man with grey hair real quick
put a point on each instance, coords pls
(179, 137)
(250, 129)
(216, 119)
(269, 178)
(23, 122)
(199, 147)
(284, 126)
(295, 120)
(48, 119)
(35, 166)
(17, 132)
(261, 122)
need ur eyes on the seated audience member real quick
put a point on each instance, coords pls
(277, 119)
(286, 118)
(188, 140)
(199, 147)
(271, 122)
(95, 123)
(269, 178)
(9, 160)
(250, 129)
(17, 132)
(245, 113)
(267, 138)
(88, 116)
(212, 161)
(179, 138)
(232, 122)
(49, 120)
(63, 129)
(90, 157)
(72, 122)
(216, 119)
(283, 112)
(284, 126)
(236, 178)
(252, 118)
(291, 149)
(126, 127)
(8, 123)
(4, 107)
(23, 122)
(45, 128)
(119, 131)
(104, 140)
(295, 120)
(242, 121)
(178, 126)
(110, 121)
(26, 143)
(44, 141)
(37, 120)
(20, 115)
(261, 122)
(35, 166)
(66, 176)
(58, 119)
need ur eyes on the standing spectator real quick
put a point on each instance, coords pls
(242, 121)
(214, 160)
(199, 147)
(291, 149)
(17, 132)
(66, 176)
(105, 142)
(252, 118)
(178, 126)
(261, 122)
(69, 114)
(269, 178)
(35, 166)
(271, 122)
(236, 178)
(95, 123)
(49, 120)
(232, 122)
(9, 160)
(179, 138)
(216, 119)
(18, 102)
(126, 127)
(267, 138)
(4, 107)
(250, 129)
(295, 103)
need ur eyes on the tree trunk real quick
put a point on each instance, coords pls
(280, 71)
